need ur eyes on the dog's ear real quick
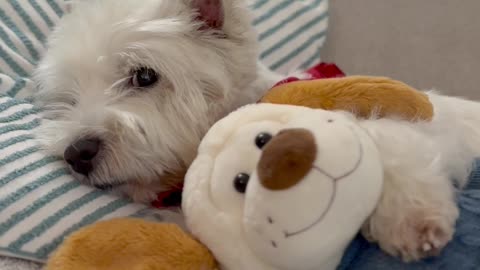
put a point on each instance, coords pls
(211, 12)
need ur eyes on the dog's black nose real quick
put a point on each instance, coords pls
(80, 155)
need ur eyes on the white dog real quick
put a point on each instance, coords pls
(130, 87)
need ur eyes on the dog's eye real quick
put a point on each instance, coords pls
(144, 77)
(262, 139)
(240, 182)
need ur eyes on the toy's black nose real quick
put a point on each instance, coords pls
(80, 155)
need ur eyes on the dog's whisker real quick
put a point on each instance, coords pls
(110, 90)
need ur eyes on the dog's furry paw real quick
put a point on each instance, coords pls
(420, 234)
(422, 239)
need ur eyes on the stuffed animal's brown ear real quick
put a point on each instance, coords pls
(365, 96)
(127, 244)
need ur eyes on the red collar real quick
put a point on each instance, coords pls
(173, 197)
(169, 198)
(320, 71)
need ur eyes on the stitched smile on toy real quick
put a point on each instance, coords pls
(289, 157)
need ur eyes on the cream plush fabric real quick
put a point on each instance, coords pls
(307, 225)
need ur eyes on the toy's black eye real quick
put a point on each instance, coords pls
(262, 139)
(144, 77)
(240, 182)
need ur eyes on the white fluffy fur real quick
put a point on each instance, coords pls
(148, 135)
(416, 215)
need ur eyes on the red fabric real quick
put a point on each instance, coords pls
(320, 71)
(171, 198)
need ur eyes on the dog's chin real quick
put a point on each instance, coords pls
(139, 192)
(136, 190)
(133, 77)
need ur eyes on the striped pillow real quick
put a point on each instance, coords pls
(291, 32)
(40, 203)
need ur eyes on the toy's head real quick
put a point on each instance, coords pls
(282, 187)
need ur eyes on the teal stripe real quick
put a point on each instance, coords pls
(6, 38)
(47, 249)
(45, 200)
(10, 103)
(28, 20)
(26, 169)
(294, 35)
(55, 7)
(18, 115)
(307, 64)
(288, 20)
(23, 254)
(26, 126)
(33, 186)
(12, 64)
(30, 100)
(50, 221)
(298, 50)
(13, 141)
(274, 10)
(258, 4)
(18, 155)
(42, 13)
(310, 60)
(25, 40)
(19, 85)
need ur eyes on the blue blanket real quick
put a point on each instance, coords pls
(463, 253)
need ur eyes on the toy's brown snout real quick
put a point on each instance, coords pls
(287, 159)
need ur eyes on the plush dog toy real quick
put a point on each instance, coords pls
(313, 176)
(217, 190)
